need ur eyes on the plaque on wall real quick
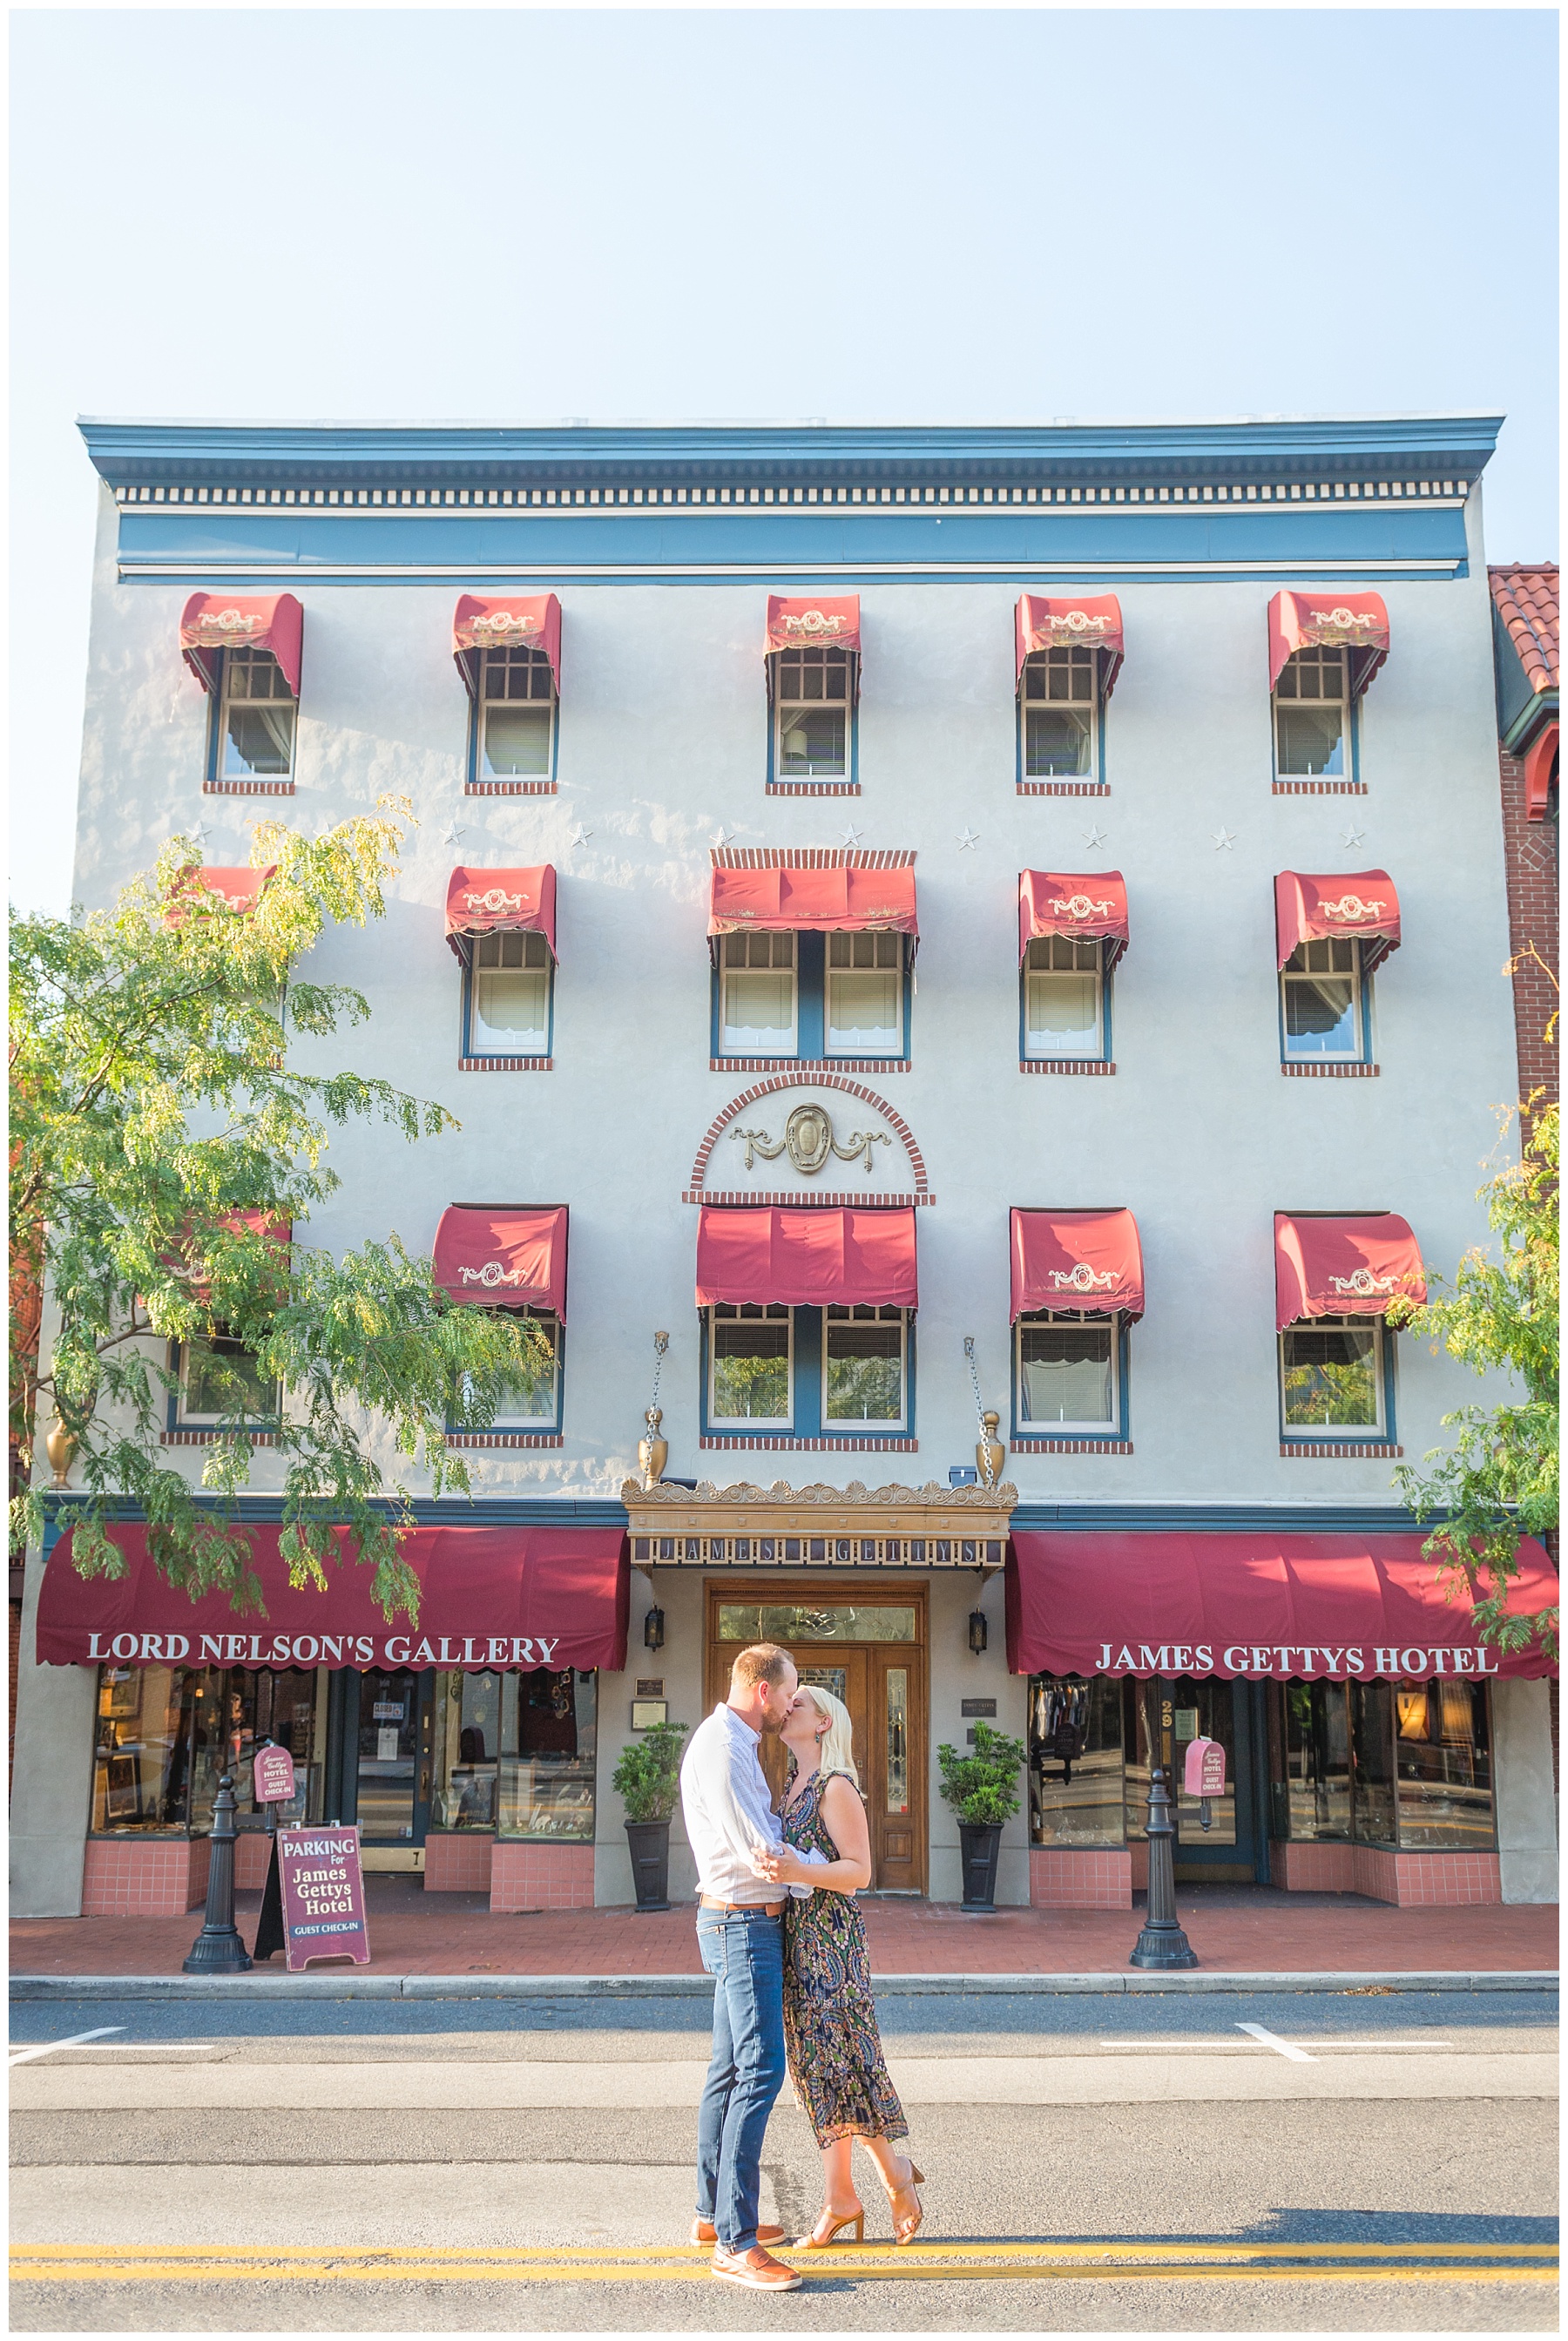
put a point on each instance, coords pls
(651, 1686)
(979, 1707)
(647, 1712)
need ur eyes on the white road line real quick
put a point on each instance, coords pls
(1369, 2045)
(1281, 2047)
(47, 2048)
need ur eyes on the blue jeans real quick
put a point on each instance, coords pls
(745, 1957)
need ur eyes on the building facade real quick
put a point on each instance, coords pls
(912, 922)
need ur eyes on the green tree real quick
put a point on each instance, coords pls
(168, 1134)
(1499, 1481)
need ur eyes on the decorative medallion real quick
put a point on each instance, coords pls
(1071, 627)
(495, 901)
(808, 1140)
(1351, 907)
(221, 626)
(1079, 907)
(811, 625)
(502, 626)
(493, 1274)
(1363, 1282)
(1330, 629)
(1082, 1278)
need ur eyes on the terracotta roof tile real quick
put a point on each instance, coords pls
(1525, 597)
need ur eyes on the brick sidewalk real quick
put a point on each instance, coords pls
(1247, 1929)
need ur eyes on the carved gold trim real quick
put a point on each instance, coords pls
(748, 1525)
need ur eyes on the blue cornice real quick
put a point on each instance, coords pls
(1381, 447)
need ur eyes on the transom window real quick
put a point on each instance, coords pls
(516, 714)
(757, 1010)
(1064, 998)
(533, 1400)
(752, 1355)
(864, 995)
(863, 1354)
(1331, 1374)
(1067, 1371)
(509, 996)
(811, 699)
(1312, 714)
(221, 1379)
(1060, 706)
(1321, 982)
(257, 724)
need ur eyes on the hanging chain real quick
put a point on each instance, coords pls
(983, 1445)
(661, 1343)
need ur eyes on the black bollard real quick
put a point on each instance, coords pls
(1162, 1943)
(217, 1949)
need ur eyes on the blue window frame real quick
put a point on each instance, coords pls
(1064, 1001)
(813, 721)
(1325, 1003)
(812, 997)
(1061, 712)
(251, 723)
(217, 1386)
(1315, 718)
(535, 1406)
(1336, 1381)
(514, 722)
(1069, 1375)
(835, 1373)
(508, 996)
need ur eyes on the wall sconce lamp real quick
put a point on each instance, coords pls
(653, 1629)
(976, 1631)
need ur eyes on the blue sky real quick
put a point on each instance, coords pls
(890, 214)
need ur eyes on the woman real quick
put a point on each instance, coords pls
(829, 2020)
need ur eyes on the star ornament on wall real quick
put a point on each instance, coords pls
(581, 834)
(851, 835)
(453, 831)
(1353, 837)
(721, 836)
(1223, 838)
(1095, 838)
(968, 839)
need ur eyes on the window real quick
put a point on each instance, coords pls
(165, 1734)
(1332, 1375)
(1060, 710)
(1064, 1003)
(509, 997)
(757, 1010)
(549, 1735)
(220, 1380)
(1407, 1763)
(1067, 1371)
(1321, 986)
(255, 719)
(1312, 715)
(811, 703)
(751, 1365)
(536, 1401)
(864, 995)
(863, 1366)
(515, 715)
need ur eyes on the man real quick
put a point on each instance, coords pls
(730, 1818)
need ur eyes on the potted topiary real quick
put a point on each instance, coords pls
(648, 1781)
(983, 1789)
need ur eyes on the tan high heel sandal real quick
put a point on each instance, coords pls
(906, 2230)
(815, 2243)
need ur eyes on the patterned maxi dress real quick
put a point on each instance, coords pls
(829, 2018)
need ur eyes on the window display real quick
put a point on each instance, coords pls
(549, 1742)
(166, 1735)
(1076, 1788)
(1443, 1761)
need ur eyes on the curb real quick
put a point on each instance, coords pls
(698, 1987)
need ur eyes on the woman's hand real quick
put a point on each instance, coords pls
(783, 1868)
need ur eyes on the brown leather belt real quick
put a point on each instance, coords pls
(745, 1909)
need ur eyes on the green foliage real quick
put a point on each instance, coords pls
(1499, 1481)
(648, 1778)
(158, 1091)
(983, 1785)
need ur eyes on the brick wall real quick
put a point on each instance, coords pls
(458, 1861)
(144, 1878)
(541, 1877)
(1382, 1875)
(1529, 850)
(1063, 1879)
(15, 1664)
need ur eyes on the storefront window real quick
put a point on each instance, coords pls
(548, 1741)
(1075, 1761)
(1312, 1765)
(166, 1735)
(1371, 1762)
(468, 1751)
(1443, 1759)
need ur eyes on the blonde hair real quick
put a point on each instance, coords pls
(837, 1746)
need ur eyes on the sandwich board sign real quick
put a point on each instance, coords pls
(323, 1894)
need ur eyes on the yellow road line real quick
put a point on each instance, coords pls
(1103, 2248)
(441, 2273)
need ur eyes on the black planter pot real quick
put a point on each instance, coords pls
(648, 1842)
(979, 1842)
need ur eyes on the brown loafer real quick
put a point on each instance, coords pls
(703, 2231)
(757, 2269)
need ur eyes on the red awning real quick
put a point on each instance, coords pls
(511, 1599)
(812, 623)
(1306, 908)
(1265, 1607)
(1540, 772)
(806, 1259)
(1090, 1260)
(483, 622)
(1088, 905)
(500, 901)
(503, 1255)
(822, 892)
(1071, 621)
(241, 890)
(1344, 1267)
(1354, 622)
(278, 1231)
(212, 623)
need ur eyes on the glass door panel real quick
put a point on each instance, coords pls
(388, 1755)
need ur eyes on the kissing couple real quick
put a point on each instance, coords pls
(781, 1934)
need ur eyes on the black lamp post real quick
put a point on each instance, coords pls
(1162, 1943)
(217, 1949)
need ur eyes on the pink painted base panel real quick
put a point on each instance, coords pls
(458, 1861)
(541, 1877)
(1405, 1879)
(1080, 1879)
(149, 1877)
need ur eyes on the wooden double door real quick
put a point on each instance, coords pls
(869, 1649)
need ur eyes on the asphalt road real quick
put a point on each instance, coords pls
(1330, 2162)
